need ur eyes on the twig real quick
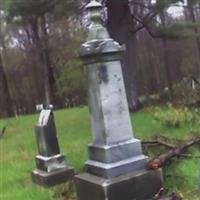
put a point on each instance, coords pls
(189, 156)
(157, 142)
(158, 194)
(172, 197)
(3, 131)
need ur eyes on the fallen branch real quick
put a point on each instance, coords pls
(189, 156)
(157, 142)
(163, 158)
(171, 197)
(175, 176)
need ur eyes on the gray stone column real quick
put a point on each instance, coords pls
(114, 151)
(51, 166)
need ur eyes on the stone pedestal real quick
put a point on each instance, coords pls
(51, 166)
(48, 179)
(140, 185)
(116, 162)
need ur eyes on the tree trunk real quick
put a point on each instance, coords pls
(41, 43)
(49, 72)
(194, 20)
(119, 22)
(167, 67)
(129, 72)
(153, 73)
(38, 66)
(166, 59)
(5, 98)
(171, 197)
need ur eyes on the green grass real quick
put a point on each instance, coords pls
(18, 150)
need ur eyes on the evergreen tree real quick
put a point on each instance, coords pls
(36, 16)
(125, 19)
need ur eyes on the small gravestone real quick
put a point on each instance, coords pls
(51, 166)
(39, 107)
(117, 168)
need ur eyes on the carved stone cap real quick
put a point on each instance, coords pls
(93, 5)
(99, 42)
(100, 46)
(101, 51)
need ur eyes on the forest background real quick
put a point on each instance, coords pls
(40, 41)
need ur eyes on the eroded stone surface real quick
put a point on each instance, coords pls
(46, 134)
(108, 106)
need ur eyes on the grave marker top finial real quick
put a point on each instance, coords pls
(99, 44)
(94, 8)
(97, 31)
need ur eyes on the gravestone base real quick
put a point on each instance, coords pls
(115, 152)
(49, 179)
(140, 185)
(52, 163)
(110, 170)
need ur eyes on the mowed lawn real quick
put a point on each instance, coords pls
(18, 150)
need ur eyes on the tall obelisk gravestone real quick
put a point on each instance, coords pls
(51, 166)
(116, 169)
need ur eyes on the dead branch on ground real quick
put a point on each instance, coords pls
(160, 160)
(171, 197)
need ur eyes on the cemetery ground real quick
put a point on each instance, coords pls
(18, 150)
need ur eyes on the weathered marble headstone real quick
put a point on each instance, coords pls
(116, 169)
(51, 166)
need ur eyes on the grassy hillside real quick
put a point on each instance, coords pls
(18, 150)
